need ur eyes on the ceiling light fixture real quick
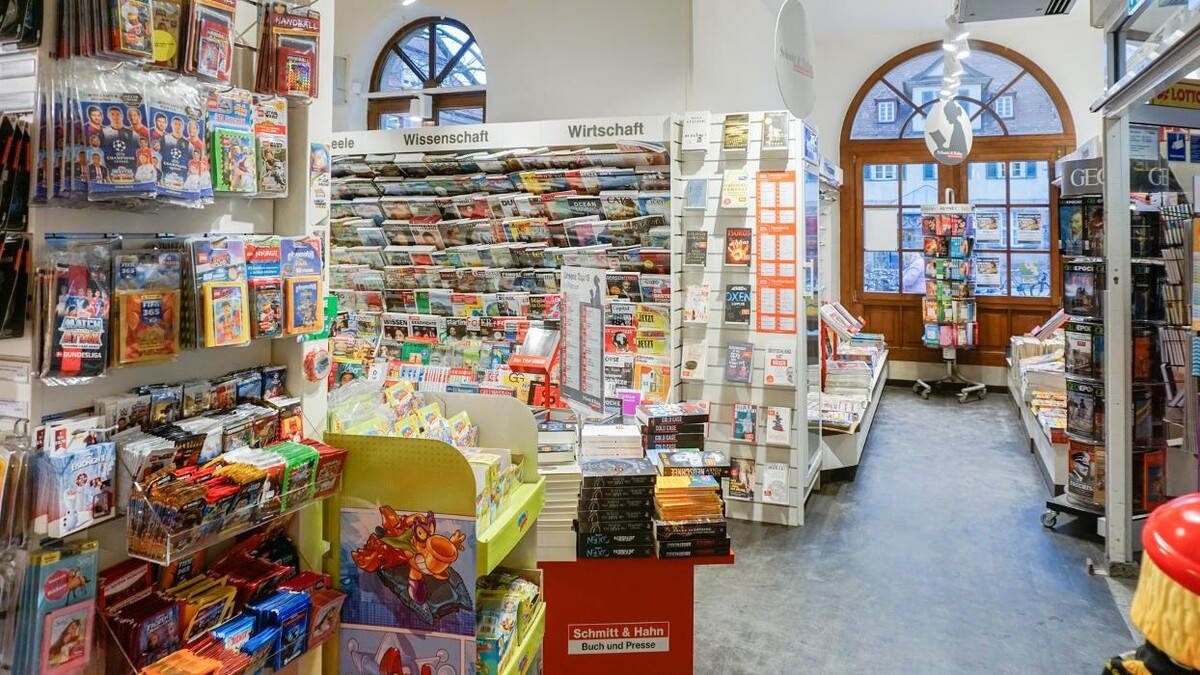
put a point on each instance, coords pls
(955, 32)
(406, 3)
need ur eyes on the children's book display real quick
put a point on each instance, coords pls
(443, 264)
(102, 306)
(459, 613)
(949, 305)
(128, 137)
(250, 609)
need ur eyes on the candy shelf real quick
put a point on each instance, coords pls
(153, 540)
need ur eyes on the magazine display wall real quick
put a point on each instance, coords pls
(26, 396)
(745, 222)
(458, 237)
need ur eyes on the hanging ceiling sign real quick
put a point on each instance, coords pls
(948, 132)
(794, 59)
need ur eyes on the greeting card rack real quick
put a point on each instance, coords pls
(949, 305)
(417, 476)
(778, 227)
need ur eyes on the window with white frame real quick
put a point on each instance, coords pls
(1004, 107)
(887, 112)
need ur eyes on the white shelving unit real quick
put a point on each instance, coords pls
(843, 452)
(1050, 457)
(802, 457)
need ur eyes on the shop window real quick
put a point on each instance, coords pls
(1006, 178)
(436, 58)
(887, 112)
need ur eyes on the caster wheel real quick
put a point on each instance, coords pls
(917, 389)
(963, 398)
(1049, 519)
(982, 394)
(924, 395)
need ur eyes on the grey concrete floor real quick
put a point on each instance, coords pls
(932, 561)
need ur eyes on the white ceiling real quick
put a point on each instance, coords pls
(843, 19)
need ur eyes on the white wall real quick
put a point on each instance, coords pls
(552, 59)
(546, 59)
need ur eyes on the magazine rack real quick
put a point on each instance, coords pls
(949, 305)
(419, 477)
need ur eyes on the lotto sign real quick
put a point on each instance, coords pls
(619, 638)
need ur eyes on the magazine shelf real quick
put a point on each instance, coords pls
(844, 449)
(153, 540)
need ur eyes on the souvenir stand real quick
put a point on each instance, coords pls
(1148, 417)
(746, 214)
(949, 305)
(23, 394)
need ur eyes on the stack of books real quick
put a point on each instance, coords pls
(613, 441)
(674, 437)
(557, 444)
(690, 519)
(616, 508)
(848, 377)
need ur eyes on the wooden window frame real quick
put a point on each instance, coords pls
(898, 315)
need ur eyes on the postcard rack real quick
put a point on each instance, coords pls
(949, 306)
(399, 474)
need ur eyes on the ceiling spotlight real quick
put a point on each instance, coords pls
(406, 3)
(955, 31)
(946, 93)
(963, 52)
(950, 46)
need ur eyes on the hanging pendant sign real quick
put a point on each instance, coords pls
(948, 133)
(794, 59)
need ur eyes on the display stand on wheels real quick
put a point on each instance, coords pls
(949, 306)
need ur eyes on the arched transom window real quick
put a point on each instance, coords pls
(430, 72)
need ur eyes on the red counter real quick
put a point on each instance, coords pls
(620, 616)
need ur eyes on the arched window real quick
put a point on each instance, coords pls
(1022, 125)
(430, 72)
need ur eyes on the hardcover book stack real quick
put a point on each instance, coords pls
(557, 444)
(691, 517)
(616, 508)
(674, 435)
(611, 441)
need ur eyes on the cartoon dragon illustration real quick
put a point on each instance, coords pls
(411, 541)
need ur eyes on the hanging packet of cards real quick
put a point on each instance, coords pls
(76, 310)
(219, 275)
(147, 308)
(167, 19)
(210, 39)
(112, 108)
(231, 134)
(130, 25)
(270, 144)
(179, 122)
(289, 52)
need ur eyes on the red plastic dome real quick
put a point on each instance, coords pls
(1172, 540)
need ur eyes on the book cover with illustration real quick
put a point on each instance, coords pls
(739, 361)
(780, 368)
(695, 303)
(779, 426)
(652, 377)
(409, 579)
(739, 244)
(694, 362)
(736, 132)
(735, 189)
(742, 483)
(745, 423)
(738, 301)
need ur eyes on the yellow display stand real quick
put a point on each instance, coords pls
(404, 611)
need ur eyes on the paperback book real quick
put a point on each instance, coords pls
(779, 426)
(695, 303)
(739, 361)
(696, 195)
(694, 362)
(735, 189)
(738, 300)
(774, 481)
(780, 368)
(739, 242)
(696, 127)
(695, 248)
(736, 132)
(745, 423)
(741, 480)
(775, 132)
